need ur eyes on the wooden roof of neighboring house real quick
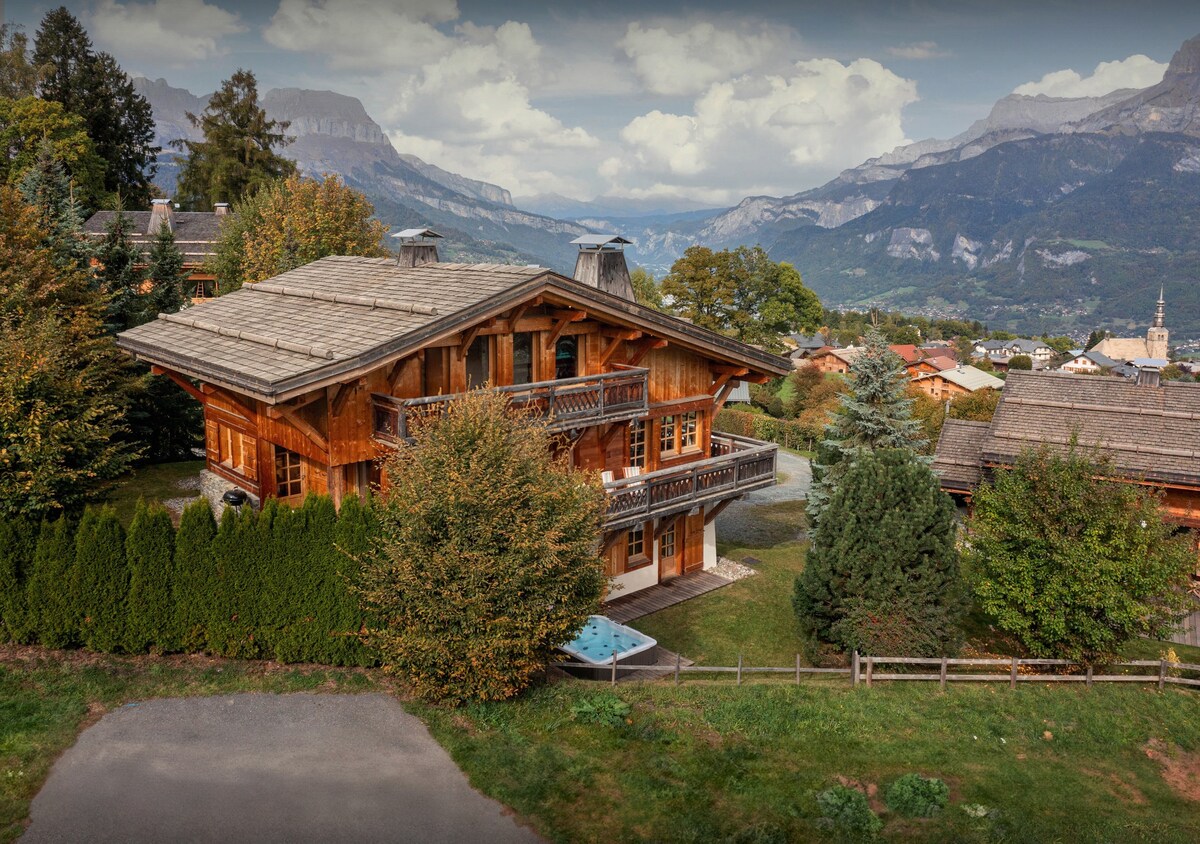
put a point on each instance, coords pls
(1148, 433)
(967, 377)
(196, 232)
(847, 355)
(334, 318)
(957, 461)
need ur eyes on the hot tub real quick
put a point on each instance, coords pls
(599, 638)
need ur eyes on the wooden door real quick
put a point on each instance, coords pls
(670, 551)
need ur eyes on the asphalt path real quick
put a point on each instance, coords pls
(264, 768)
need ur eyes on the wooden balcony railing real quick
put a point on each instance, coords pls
(565, 403)
(738, 465)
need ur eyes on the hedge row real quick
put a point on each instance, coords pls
(786, 432)
(261, 584)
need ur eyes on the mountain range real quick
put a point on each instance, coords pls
(1049, 215)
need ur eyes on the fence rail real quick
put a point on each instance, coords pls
(862, 670)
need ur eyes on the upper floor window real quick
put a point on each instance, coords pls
(479, 369)
(637, 443)
(288, 482)
(523, 357)
(566, 357)
(680, 433)
(666, 434)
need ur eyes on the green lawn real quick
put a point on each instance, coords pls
(157, 482)
(47, 697)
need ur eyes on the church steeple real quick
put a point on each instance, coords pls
(1159, 314)
(1157, 338)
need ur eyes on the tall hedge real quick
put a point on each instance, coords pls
(352, 538)
(49, 594)
(194, 576)
(18, 541)
(150, 549)
(101, 580)
(234, 619)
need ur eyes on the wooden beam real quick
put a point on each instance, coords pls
(757, 379)
(664, 525)
(395, 372)
(723, 397)
(725, 374)
(342, 395)
(607, 436)
(615, 343)
(562, 323)
(716, 511)
(311, 433)
(469, 338)
(643, 349)
(569, 314)
(184, 384)
(516, 313)
(248, 413)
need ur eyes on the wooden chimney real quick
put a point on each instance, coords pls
(417, 247)
(601, 264)
(160, 216)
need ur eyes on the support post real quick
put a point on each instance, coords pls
(942, 675)
(678, 660)
(1012, 677)
(614, 667)
(1089, 676)
(1162, 674)
(854, 668)
(797, 669)
(870, 671)
(739, 669)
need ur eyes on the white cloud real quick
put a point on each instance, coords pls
(686, 61)
(766, 134)
(458, 97)
(1137, 71)
(918, 51)
(177, 32)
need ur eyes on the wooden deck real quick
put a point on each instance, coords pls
(626, 608)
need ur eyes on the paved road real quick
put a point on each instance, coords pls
(264, 768)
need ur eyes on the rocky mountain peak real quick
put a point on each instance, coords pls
(1186, 59)
(322, 113)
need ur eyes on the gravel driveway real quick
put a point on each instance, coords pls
(264, 768)
(742, 522)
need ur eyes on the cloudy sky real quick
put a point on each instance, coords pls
(710, 101)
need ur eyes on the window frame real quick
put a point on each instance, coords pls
(638, 434)
(668, 536)
(640, 557)
(289, 464)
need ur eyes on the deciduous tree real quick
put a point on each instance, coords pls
(29, 124)
(645, 289)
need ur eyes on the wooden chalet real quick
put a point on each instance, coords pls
(1148, 431)
(196, 234)
(308, 378)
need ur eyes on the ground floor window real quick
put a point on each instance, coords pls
(288, 480)
(635, 548)
(666, 542)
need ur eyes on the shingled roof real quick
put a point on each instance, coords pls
(1148, 433)
(340, 315)
(196, 232)
(957, 459)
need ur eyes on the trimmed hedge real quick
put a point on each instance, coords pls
(273, 583)
(786, 432)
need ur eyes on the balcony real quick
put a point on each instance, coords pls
(566, 403)
(738, 465)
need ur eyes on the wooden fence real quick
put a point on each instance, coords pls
(864, 669)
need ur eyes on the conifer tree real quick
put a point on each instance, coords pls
(352, 537)
(167, 277)
(149, 548)
(49, 594)
(194, 575)
(236, 591)
(881, 575)
(18, 541)
(100, 589)
(120, 274)
(237, 154)
(47, 187)
(876, 413)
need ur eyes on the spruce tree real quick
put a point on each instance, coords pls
(121, 275)
(881, 575)
(876, 413)
(47, 187)
(100, 589)
(237, 154)
(49, 595)
(167, 277)
(194, 576)
(18, 541)
(149, 549)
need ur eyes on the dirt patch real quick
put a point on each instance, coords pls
(870, 789)
(1121, 790)
(1179, 769)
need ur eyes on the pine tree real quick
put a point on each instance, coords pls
(119, 121)
(120, 274)
(194, 576)
(149, 549)
(18, 541)
(881, 575)
(876, 413)
(49, 595)
(100, 589)
(47, 187)
(237, 155)
(167, 277)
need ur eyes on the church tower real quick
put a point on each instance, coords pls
(1156, 337)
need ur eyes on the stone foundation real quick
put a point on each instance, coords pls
(213, 486)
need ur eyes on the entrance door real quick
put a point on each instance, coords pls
(670, 551)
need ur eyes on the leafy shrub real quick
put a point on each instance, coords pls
(915, 796)
(195, 576)
(605, 709)
(847, 810)
(785, 432)
(759, 833)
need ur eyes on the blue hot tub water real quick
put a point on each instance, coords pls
(601, 636)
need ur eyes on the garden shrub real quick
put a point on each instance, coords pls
(150, 548)
(303, 562)
(195, 576)
(915, 796)
(237, 587)
(352, 537)
(101, 580)
(49, 595)
(605, 708)
(847, 810)
(18, 541)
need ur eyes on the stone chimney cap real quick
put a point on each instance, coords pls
(600, 241)
(413, 234)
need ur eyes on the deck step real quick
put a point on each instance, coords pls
(650, 600)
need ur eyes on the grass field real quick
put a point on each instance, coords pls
(157, 482)
(47, 697)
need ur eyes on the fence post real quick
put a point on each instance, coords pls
(678, 659)
(797, 669)
(854, 668)
(1162, 674)
(1012, 678)
(942, 676)
(614, 668)
(870, 670)
(739, 669)
(1089, 676)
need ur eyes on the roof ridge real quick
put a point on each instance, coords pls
(249, 336)
(343, 298)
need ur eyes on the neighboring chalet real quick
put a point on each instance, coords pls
(836, 361)
(196, 234)
(1148, 431)
(929, 366)
(957, 380)
(309, 378)
(1004, 350)
(1089, 363)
